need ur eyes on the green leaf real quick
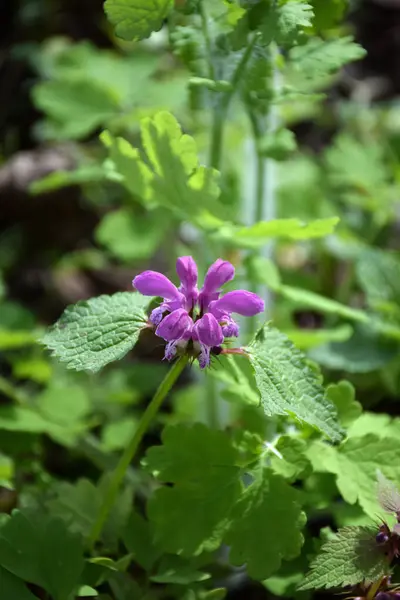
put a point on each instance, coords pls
(87, 592)
(310, 299)
(288, 385)
(362, 353)
(356, 165)
(128, 168)
(174, 569)
(202, 465)
(259, 234)
(305, 339)
(283, 22)
(94, 332)
(116, 435)
(59, 179)
(355, 464)
(77, 107)
(138, 539)
(342, 395)
(327, 14)
(129, 236)
(293, 463)
(314, 61)
(11, 587)
(136, 19)
(11, 339)
(59, 563)
(36, 369)
(265, 526)
(278, 145)
(350, 558)
(64, 405)
(176, 180)
(78, 504)
(378, 274)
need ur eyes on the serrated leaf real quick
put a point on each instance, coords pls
(283, 22)
(350, 558)
(13, 587)
(287, 384)
(265, 526)
(136, 19)
(94, 332)
(58, 565)
(202, 465)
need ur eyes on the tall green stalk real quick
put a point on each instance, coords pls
(119, 473)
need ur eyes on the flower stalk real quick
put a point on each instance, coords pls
(129, 454)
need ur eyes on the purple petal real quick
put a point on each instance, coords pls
(217, 275)
(229, 327)
(170, 350)
(208, 331)
(157, 314)
(175, 325)
(187, 272)
(204, 357)
(241, 302)
(151, 283)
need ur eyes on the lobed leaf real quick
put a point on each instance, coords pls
(265, 525)
(192, 515)
(136, 19)
(94, 332)
(40, 550)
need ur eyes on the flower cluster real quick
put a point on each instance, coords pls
(202, 318)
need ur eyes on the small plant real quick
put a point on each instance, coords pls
(257, 419)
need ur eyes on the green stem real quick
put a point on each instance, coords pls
(260, 168)
(130, 451)
(223, 103)
(207, 39)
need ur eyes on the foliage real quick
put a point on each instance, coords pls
(201, 130)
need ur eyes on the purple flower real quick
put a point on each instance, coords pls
(196, 321)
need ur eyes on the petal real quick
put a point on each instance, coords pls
(204, 357)
(219, 273)
(229, 327)
(241, 302)
(151, 283)
(175, 325)
(208, 331)
(170, 350)
(157, 314)
(187, 271)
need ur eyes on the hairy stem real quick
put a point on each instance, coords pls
(130, 451)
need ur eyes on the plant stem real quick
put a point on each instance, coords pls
(130, 451)
(223, 102)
